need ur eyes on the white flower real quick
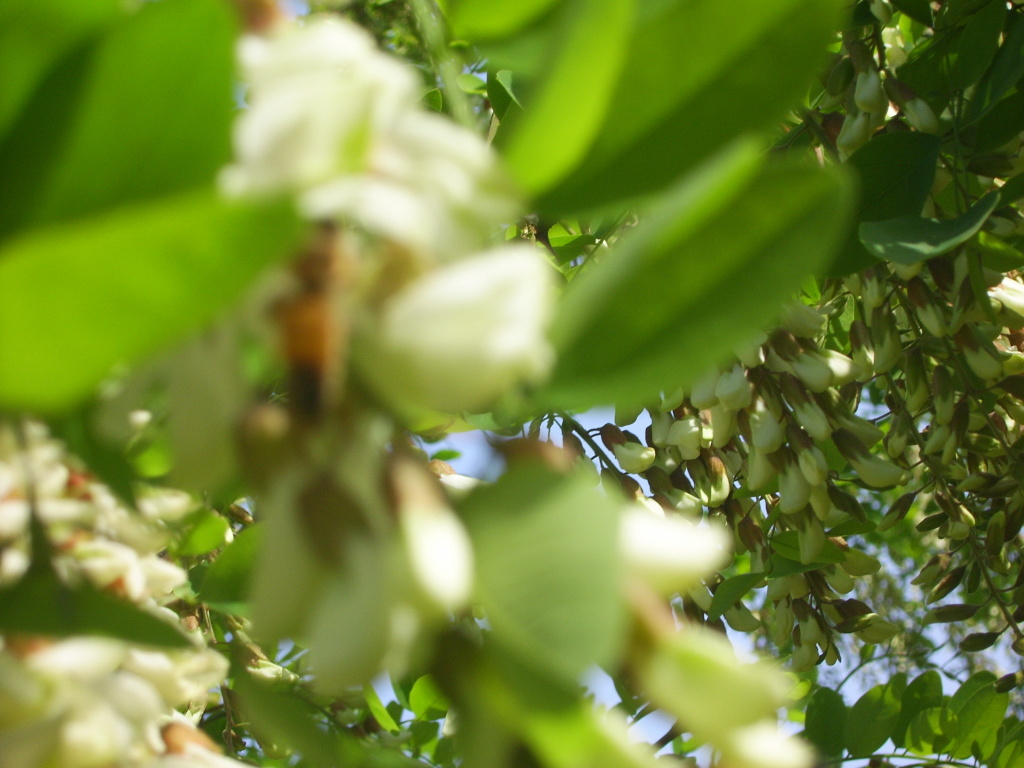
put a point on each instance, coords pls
(634, 457)
(466, 334)
(179, 676)
(670, 553)
(763, 745)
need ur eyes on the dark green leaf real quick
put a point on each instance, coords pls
(895, 171)
(145, 112)
(1000, 125)
(977, 45)
(730, 591)
(545, 545)
(908, 240)
(825, 722)
(923, 693)
(500, 92)
(767, 229)
(676, 105)
(979, 641)
(919, 10)
(875, 715)
(1006, 70)
(79, 297)
(226, 584)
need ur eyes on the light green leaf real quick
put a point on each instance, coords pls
(378, 710)
(144, 112)
(825, 722)
(908, 240)
(978, 721)
(485, 19)
(426, 699)
(546, 551)
(206, 533)
(710, 264)
(80, 297)
(930, 730)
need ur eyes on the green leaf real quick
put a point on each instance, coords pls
(930, 730)
(545, 549)
(500, 92)
(677, 104)
(40, 603)
(977, 45)
(426, 699)
(876, 714)
(825, 722)
(486, 19)
(226, 583)
(206, 533)
(378, 710)
(787, 544)
(1007, 68)
(145, 113)
(539, 144)
(664, 309)
(999, 126)
(895, 171)
(979, 716)
(34, 35)
(908, 240)
(730, 591)
(919, 10)
(80, 297)
(923, 693)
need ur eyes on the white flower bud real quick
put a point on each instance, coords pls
(685, 434)
(921, 116)
(854, 134)
(466, 334)
(733, 390)
(634, 457)
(868, 93)
(670, 553)
(702, 394)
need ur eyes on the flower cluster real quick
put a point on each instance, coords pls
(88, 701)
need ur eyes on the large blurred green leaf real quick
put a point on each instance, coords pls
(697, 75)
(566, 110)
(546, 552)
(226, 583)
(34, 34)
(710, 265)
(484, 19)
(143, 112)
(895, 171)
(910, 239)
(79, 297)
(1006, 69)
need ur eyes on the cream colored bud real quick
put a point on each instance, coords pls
(733, 390)
(685, 435)
(634, 457)
(702, 395)
(868, 93)
(854, 134)
(765, 430)
(920, 116)
(670, 553)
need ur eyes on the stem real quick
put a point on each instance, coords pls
(578, 428)
(428, 16)
(229, 718)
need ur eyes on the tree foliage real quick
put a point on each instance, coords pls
(781, 240)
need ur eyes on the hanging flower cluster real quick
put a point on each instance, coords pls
(88, 701)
